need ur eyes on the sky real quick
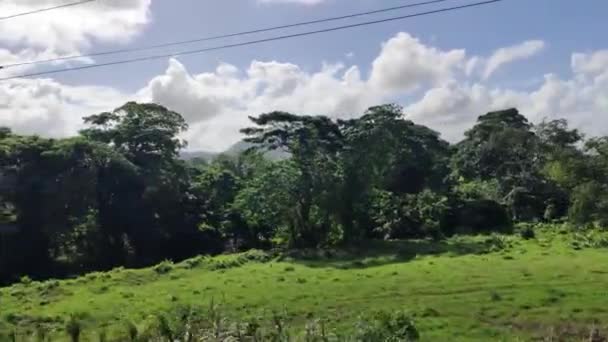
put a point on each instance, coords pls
(548, 58)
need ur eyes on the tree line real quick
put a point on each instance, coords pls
(118, 194)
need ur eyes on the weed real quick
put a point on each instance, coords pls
(102, 336)
(132, 331)
(74, 328)
(384, 326)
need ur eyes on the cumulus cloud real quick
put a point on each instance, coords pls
(582, 99)
(218, 104)
(590, 64)
(439, 88)
(49, 108)
(504, 56)
(405, 64)
(69, 30)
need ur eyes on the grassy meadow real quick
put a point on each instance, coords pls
(485, 288)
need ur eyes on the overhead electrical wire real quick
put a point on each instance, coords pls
(223, 36)
(222, 47)
(46, 9)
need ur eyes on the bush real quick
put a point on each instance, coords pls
(480, 190)
(483, 216)
(25, 280)
(591, 239)
(254, 255)
(498, 243)
(164, 267)
(410, 216)
(589, 204)
(527, 232)
(193, 262)
(384, 326)
(73, 327)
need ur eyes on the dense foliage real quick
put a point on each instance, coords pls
(118, 194)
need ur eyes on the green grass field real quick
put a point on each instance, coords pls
(465, 289)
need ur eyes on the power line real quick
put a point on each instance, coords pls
(46, 9)
(230, 35)
(190, 52)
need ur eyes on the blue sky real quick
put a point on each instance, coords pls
(565, 25)
(537, 38)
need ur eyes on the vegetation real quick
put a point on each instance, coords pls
(478, 288)
(118, 195)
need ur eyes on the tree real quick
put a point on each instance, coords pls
(502, 146)
(265, 202)
(589, 204)
(383, 152)
(555, 135)
(314, 143)
(147, 135)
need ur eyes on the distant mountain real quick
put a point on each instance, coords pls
(232, 151)
(243, 146)
(190, 155)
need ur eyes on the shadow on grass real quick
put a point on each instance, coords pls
(378, 253)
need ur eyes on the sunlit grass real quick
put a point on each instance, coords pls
(476, 288)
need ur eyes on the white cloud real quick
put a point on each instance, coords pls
(590, 64)
(405, 64)
(582, 100)
(70, 30)
(217, 104)
(66, 30)
(511, 54)
(46, 107)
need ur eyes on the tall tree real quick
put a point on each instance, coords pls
(383, 151)
(147, 135)
(502, 146)
(314, 143)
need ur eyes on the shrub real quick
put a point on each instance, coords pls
(483, 216)
(132, 331)
(164, 329)
(41, 333)
(589, 239)
(51, 284)
(103, 336)
(73, 327)
(164, 267)
(498, 243)
(527, 232)
(193, 262)
(25, 280)
(255, 255)
(589, 204)
(384, 326)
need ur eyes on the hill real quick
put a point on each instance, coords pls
(205, 155)
(487, 288)
(233, 151)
